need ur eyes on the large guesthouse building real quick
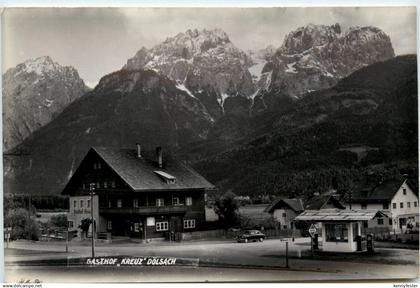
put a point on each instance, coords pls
(134, 196)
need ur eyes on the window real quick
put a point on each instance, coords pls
(284, 215)
(99, 165)
(162, 226)
(119, 203)
(175, 201)
(394, 205)
(336, 232)
(84, 186)
(81, 204)
(189, 223)
(136, 227)
(88, 203)
(401, 205)
(136, 203)
(284, 226)
(390, 221)
(364, 206)
(74, 204)
(109, 225)
(160, 202)
(70, 224)
(188, 201)
(98, 185)
(109, 203)
(408, 205)
(380, 221)
(113, 184)
(385, 206)
(105, 184)
(404, 191)
(415, 203)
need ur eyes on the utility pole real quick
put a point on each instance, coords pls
(350, 198)
(67, 237)
(92, 188)
(312, 246)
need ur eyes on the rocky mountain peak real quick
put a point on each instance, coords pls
(204, 63)
(366, 34)
(42, 66)
(310, 36)
(34, 92)
(315, 57)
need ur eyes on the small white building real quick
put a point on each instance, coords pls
(284, 211)
(341, 229)
(395, 198)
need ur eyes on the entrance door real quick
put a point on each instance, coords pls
(175, 224)
(118, 227)
(402, 223)
(137, 229)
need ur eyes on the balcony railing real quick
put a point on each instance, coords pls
(143, 210)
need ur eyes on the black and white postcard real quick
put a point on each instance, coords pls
(223, 144)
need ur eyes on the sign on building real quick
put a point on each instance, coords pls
(150, 221)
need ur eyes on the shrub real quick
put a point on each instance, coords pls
(59, 221)
(23, 226)
(226, 208)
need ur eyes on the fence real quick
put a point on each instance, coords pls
(60, 235)
(386, 233)
(229, 234)
(379, 233)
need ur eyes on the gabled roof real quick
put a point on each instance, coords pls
(294, 204)
(140, 175)
(382, 192)
(325, 215)
(321, 201)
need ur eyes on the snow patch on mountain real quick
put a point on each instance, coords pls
(49, 102)
(256, 69)
(185, 89)
(290, 68)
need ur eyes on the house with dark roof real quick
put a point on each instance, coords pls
(323, 201)
(394, 197)
(135, 196)
(285, 210)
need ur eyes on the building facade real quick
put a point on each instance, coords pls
(284, 211)
(136, 196)
(395, 198)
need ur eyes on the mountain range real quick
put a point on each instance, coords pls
(233, 113)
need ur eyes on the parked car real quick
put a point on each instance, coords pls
(251, 235)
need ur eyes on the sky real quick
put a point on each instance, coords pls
(98, 41)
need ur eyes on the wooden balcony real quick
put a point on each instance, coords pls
(150, 210)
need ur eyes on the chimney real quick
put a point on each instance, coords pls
(138, 150)
(159, 156)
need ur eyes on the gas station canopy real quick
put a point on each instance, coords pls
(325, 215)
